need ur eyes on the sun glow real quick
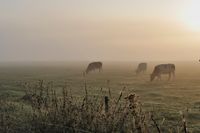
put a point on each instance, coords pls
(191, 15)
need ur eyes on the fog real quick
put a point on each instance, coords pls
(95, 30)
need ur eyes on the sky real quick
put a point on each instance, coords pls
(107, 30)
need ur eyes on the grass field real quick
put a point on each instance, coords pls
(167, 98)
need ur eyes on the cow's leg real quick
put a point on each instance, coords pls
(173, 74)
(100, 69)
(159, 77)
(138, 72)
(156, 78)
(145, 71)
(169, 76)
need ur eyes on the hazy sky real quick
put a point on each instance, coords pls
(63, 30)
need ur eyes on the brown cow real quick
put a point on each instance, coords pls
(142, 67)
(93, 66)
(163, 69)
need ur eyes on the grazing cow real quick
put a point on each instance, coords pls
(93, 66)
(142, 67)
(163, 69)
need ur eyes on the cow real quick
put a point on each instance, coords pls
(163, 69)
(142, 67)
(93, 66)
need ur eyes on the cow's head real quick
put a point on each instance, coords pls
(84, 73)
(137, 71)
(152, 76)
(87, 71)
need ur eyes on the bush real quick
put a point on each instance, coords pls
(43, 111)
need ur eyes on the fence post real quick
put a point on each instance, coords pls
(106, 99)
(86, 93)
(108, 85)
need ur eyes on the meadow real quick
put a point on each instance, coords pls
(168, 100)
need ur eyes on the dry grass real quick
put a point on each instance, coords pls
(43, 111)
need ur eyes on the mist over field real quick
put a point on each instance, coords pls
(89, 66)
(92, 30)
